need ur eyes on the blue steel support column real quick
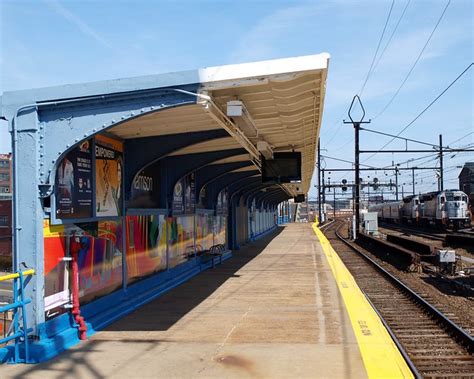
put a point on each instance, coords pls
(27, 209)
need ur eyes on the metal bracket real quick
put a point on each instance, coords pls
(45, 190)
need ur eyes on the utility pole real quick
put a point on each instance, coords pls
(356, 125)
(319, 181)
(396, 183)
(323, 196)
(441, 174)
(413, 179)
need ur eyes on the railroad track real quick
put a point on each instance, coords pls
(447, 237)
(433, 345)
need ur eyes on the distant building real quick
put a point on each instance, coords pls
(5, 176)
(466, 182)
(5, 228)
(466, 178)
(5, 210)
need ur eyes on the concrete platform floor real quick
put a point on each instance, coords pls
(271, 311)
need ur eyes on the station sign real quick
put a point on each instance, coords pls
(146, 188)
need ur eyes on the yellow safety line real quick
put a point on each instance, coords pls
(380, 355)
(16, 275)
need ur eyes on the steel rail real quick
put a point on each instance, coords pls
(466, 339)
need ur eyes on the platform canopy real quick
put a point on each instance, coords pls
(283, 101)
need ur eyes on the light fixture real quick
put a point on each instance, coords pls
(240, 115)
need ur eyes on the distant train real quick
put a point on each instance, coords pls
(442, 208)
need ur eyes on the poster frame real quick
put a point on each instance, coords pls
(75, 220)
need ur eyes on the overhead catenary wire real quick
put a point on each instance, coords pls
(391, 35)
(414, 63)
(423, 111)
(377, 50)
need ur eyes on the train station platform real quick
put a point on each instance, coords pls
(273, 310)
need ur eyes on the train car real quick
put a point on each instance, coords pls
(391, 212)
(377, 208)
(409, 210)
(445, 208)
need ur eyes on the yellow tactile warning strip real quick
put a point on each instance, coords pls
(380, 355)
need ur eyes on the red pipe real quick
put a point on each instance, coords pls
(76, 309)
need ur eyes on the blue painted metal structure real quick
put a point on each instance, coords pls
(20, 330)
(47, 124)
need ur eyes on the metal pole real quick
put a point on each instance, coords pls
(334, 204)
(413, 180)
(357, 177)
(441, 174)
(319, 180)
(396, 183)
(324, 196)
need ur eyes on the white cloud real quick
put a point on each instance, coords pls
(78, 22)
(262, 41)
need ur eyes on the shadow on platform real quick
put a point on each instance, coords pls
(158, 315)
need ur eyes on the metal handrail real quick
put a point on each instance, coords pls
(19, 301)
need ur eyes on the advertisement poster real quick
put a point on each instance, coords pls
(74, 183)
(146, 245)
(202, 197)
(178, 197)
(190, 194)
(221, 206)
(109, 171)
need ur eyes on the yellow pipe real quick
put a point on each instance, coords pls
(16, 275)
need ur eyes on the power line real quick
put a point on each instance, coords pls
(416, 61)
(459, 139)
(393, 33)
(424, 110)
(378, 47)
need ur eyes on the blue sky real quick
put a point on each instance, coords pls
(47, 43)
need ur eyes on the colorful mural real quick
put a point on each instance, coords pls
(180, 239)
(146, 245)
(97, 247)
(204, 231)
(220, 230)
